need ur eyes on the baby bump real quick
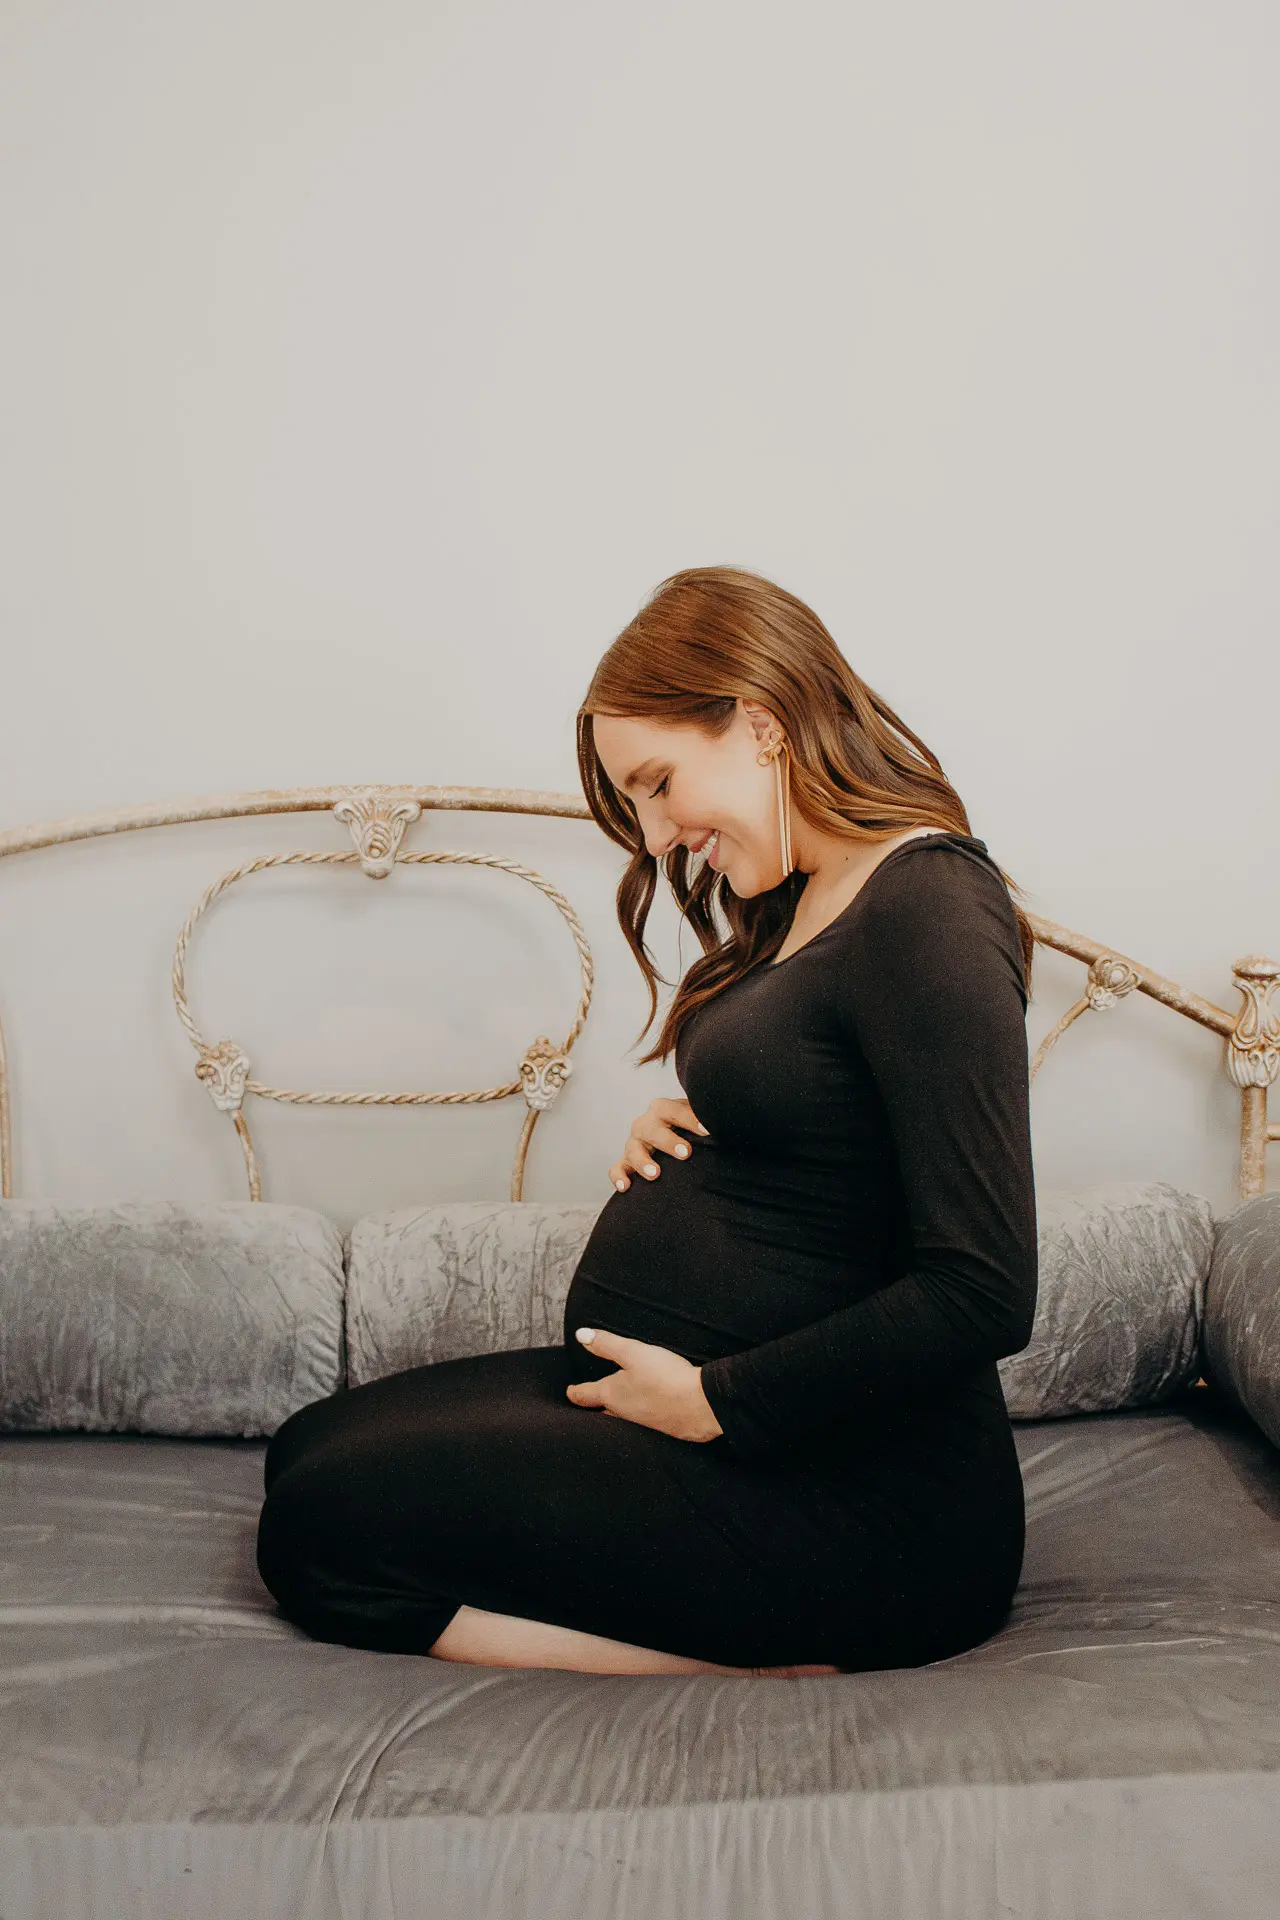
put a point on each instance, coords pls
(682, 1262)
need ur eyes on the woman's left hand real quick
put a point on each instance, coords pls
(653, 1386)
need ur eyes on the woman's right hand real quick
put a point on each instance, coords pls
(654, 1132)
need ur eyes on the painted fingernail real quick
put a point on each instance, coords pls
(650, 1169)
(683, 1149)
(586, 1335)
(621, 1185)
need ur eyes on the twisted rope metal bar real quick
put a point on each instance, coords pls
(423, 858)
(1109, 980)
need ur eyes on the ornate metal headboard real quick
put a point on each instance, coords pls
(375, 819)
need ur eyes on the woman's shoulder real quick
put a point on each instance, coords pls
(939, 897)
(954, 866)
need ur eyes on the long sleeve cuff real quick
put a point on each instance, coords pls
(745, 1433)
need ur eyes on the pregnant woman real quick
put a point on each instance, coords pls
(772, 1438)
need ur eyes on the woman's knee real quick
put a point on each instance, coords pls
(298, 1432)
(329, 1576)
(296, 1538)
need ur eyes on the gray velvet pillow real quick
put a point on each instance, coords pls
(1120, 1300)
(151, 1317)
(460, 1277)
(1122, 1276)
(1242, 1311)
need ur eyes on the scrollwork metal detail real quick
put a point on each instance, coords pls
(377, 821)
(543, 1072)
(1109, 980)
(1253, 1048)
(224, 1069)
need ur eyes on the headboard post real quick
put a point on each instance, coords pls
(1253, 1061)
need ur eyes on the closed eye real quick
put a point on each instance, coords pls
(661, 786)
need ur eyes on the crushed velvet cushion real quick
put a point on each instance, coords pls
(1122, 1274)
(1242, 1311)
(153, 1317)
(1120, 1300)
(459, 1277)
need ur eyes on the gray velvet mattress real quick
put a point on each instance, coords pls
(173, 1747)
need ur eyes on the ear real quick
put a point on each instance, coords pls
(762, 721)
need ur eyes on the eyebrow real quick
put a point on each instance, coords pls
(645, 771)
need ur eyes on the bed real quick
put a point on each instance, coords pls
(174, 1747)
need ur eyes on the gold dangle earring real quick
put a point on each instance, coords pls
(776, 750)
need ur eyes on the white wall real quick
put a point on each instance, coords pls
(366, 366)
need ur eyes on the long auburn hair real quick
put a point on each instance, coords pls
(706, 637)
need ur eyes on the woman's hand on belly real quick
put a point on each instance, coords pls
(653, 1386)
(654, 1131)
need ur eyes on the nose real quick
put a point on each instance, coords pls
(659, 835)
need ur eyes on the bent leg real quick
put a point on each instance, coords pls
(477, 1483)
(475, 1637)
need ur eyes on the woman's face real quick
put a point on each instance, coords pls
(709, 793)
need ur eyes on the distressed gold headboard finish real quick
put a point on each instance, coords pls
(375, 819)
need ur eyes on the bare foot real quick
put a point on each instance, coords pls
(476, 1637)
(795, 1673)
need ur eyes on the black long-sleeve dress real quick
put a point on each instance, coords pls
(846, 1257)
